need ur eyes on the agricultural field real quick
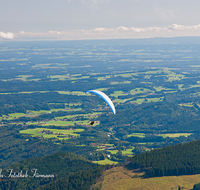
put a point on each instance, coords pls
(31, 113)
(141, 135)
(53, 133)
(106, 161)
(173, 135)
(127, 152)
(64, 123)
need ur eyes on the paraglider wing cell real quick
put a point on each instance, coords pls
(104, 97)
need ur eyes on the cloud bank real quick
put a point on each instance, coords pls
(7, 35)
(108, 33)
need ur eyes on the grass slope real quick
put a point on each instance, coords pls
(120, 178)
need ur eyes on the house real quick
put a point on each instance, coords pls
(93, 144)
(110, 148)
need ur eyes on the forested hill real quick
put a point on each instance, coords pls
(181, 159)
(57, 166)
(60, 164)
(81, 181)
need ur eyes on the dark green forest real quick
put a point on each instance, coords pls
(196, 186)
(181, 159)
(69, 171)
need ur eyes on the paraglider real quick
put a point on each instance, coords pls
(105, 98)
(92, 122)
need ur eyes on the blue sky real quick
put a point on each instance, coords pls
(98, 19)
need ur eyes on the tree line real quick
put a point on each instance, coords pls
(180, 159)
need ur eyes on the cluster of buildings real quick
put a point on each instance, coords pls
(46, 132)
(50, 132)
(103, 147)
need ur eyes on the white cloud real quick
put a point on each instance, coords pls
(138, 29)
(122, 28)
(7, 35)
(181, 27)
(100, 29)
(55, 32)
(111, 33)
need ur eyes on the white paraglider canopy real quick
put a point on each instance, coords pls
(105, 98)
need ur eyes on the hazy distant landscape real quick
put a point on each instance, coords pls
(153, 83)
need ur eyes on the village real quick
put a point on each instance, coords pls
(58, 134)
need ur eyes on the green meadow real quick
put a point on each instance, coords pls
(155, 99)
(152, 72)
(173, 91)
(118, 93)
(88, 115)
(127, 75)
(102, 89)
(186, 104)
(128, 151)
(124, 82)
(138, 101)
(174, 76)
(140, 91)
(33, 92)
(72, 104)
(108, 144)
(31, 113)
(104, 162)
(103, 145)
(173, 135)
(52, 110)
(180, 86)
(124, 152)
(194, 86)
(14, 115)
(59, 77)
(141, 100)
(122, 100)
(78, 93)
(194, 65)
(66, 134)
(141, 135)
(113, 151)
(103, 78)
(64, 123)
